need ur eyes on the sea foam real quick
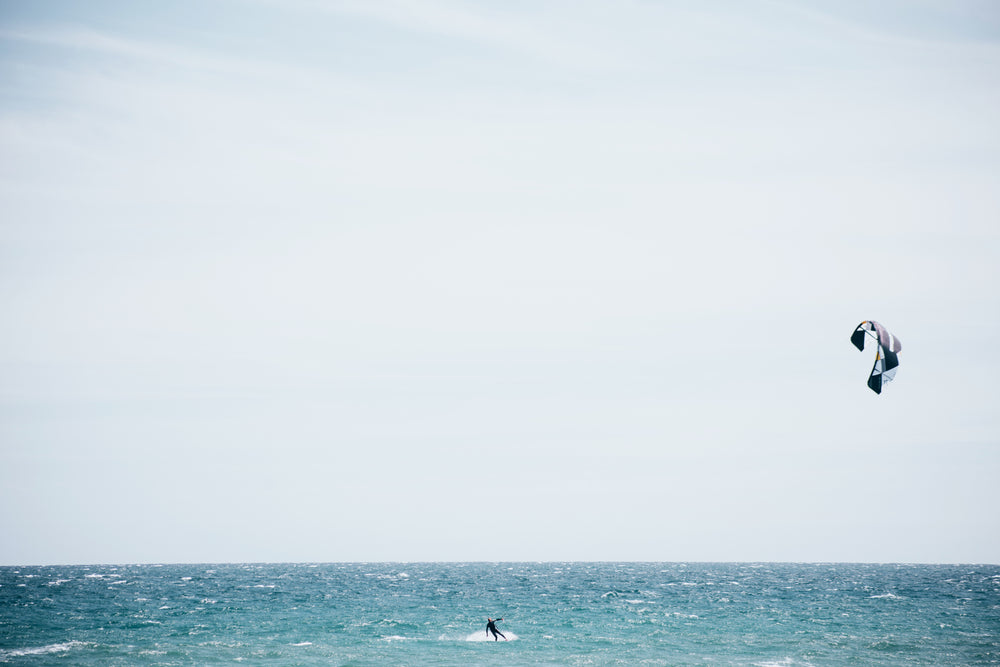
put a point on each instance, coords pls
(486, 637)
(62, 647)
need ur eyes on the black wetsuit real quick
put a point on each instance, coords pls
(491, 626)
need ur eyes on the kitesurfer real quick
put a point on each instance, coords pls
(491, 626)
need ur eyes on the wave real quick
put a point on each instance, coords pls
(63, 647)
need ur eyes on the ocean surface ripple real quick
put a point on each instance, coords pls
(358, 614)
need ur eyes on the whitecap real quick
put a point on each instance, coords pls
(303, 644)
(784, 662)
(63, 647)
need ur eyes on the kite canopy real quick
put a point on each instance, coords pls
(886, 360)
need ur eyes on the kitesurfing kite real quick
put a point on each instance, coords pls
(886, 360)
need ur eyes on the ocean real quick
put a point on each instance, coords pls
(576, 613)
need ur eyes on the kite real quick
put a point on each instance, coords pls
(886, 361)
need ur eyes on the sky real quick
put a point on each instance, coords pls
(335, 280)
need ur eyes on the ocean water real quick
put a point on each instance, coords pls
(554, 614)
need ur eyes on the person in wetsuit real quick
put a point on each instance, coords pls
(491, 626)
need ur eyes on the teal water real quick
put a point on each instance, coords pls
(554, 614)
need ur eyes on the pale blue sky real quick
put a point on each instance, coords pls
(315, 281)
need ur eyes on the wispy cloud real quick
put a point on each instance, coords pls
(559, 33)
(175, 56)
(931, 26)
